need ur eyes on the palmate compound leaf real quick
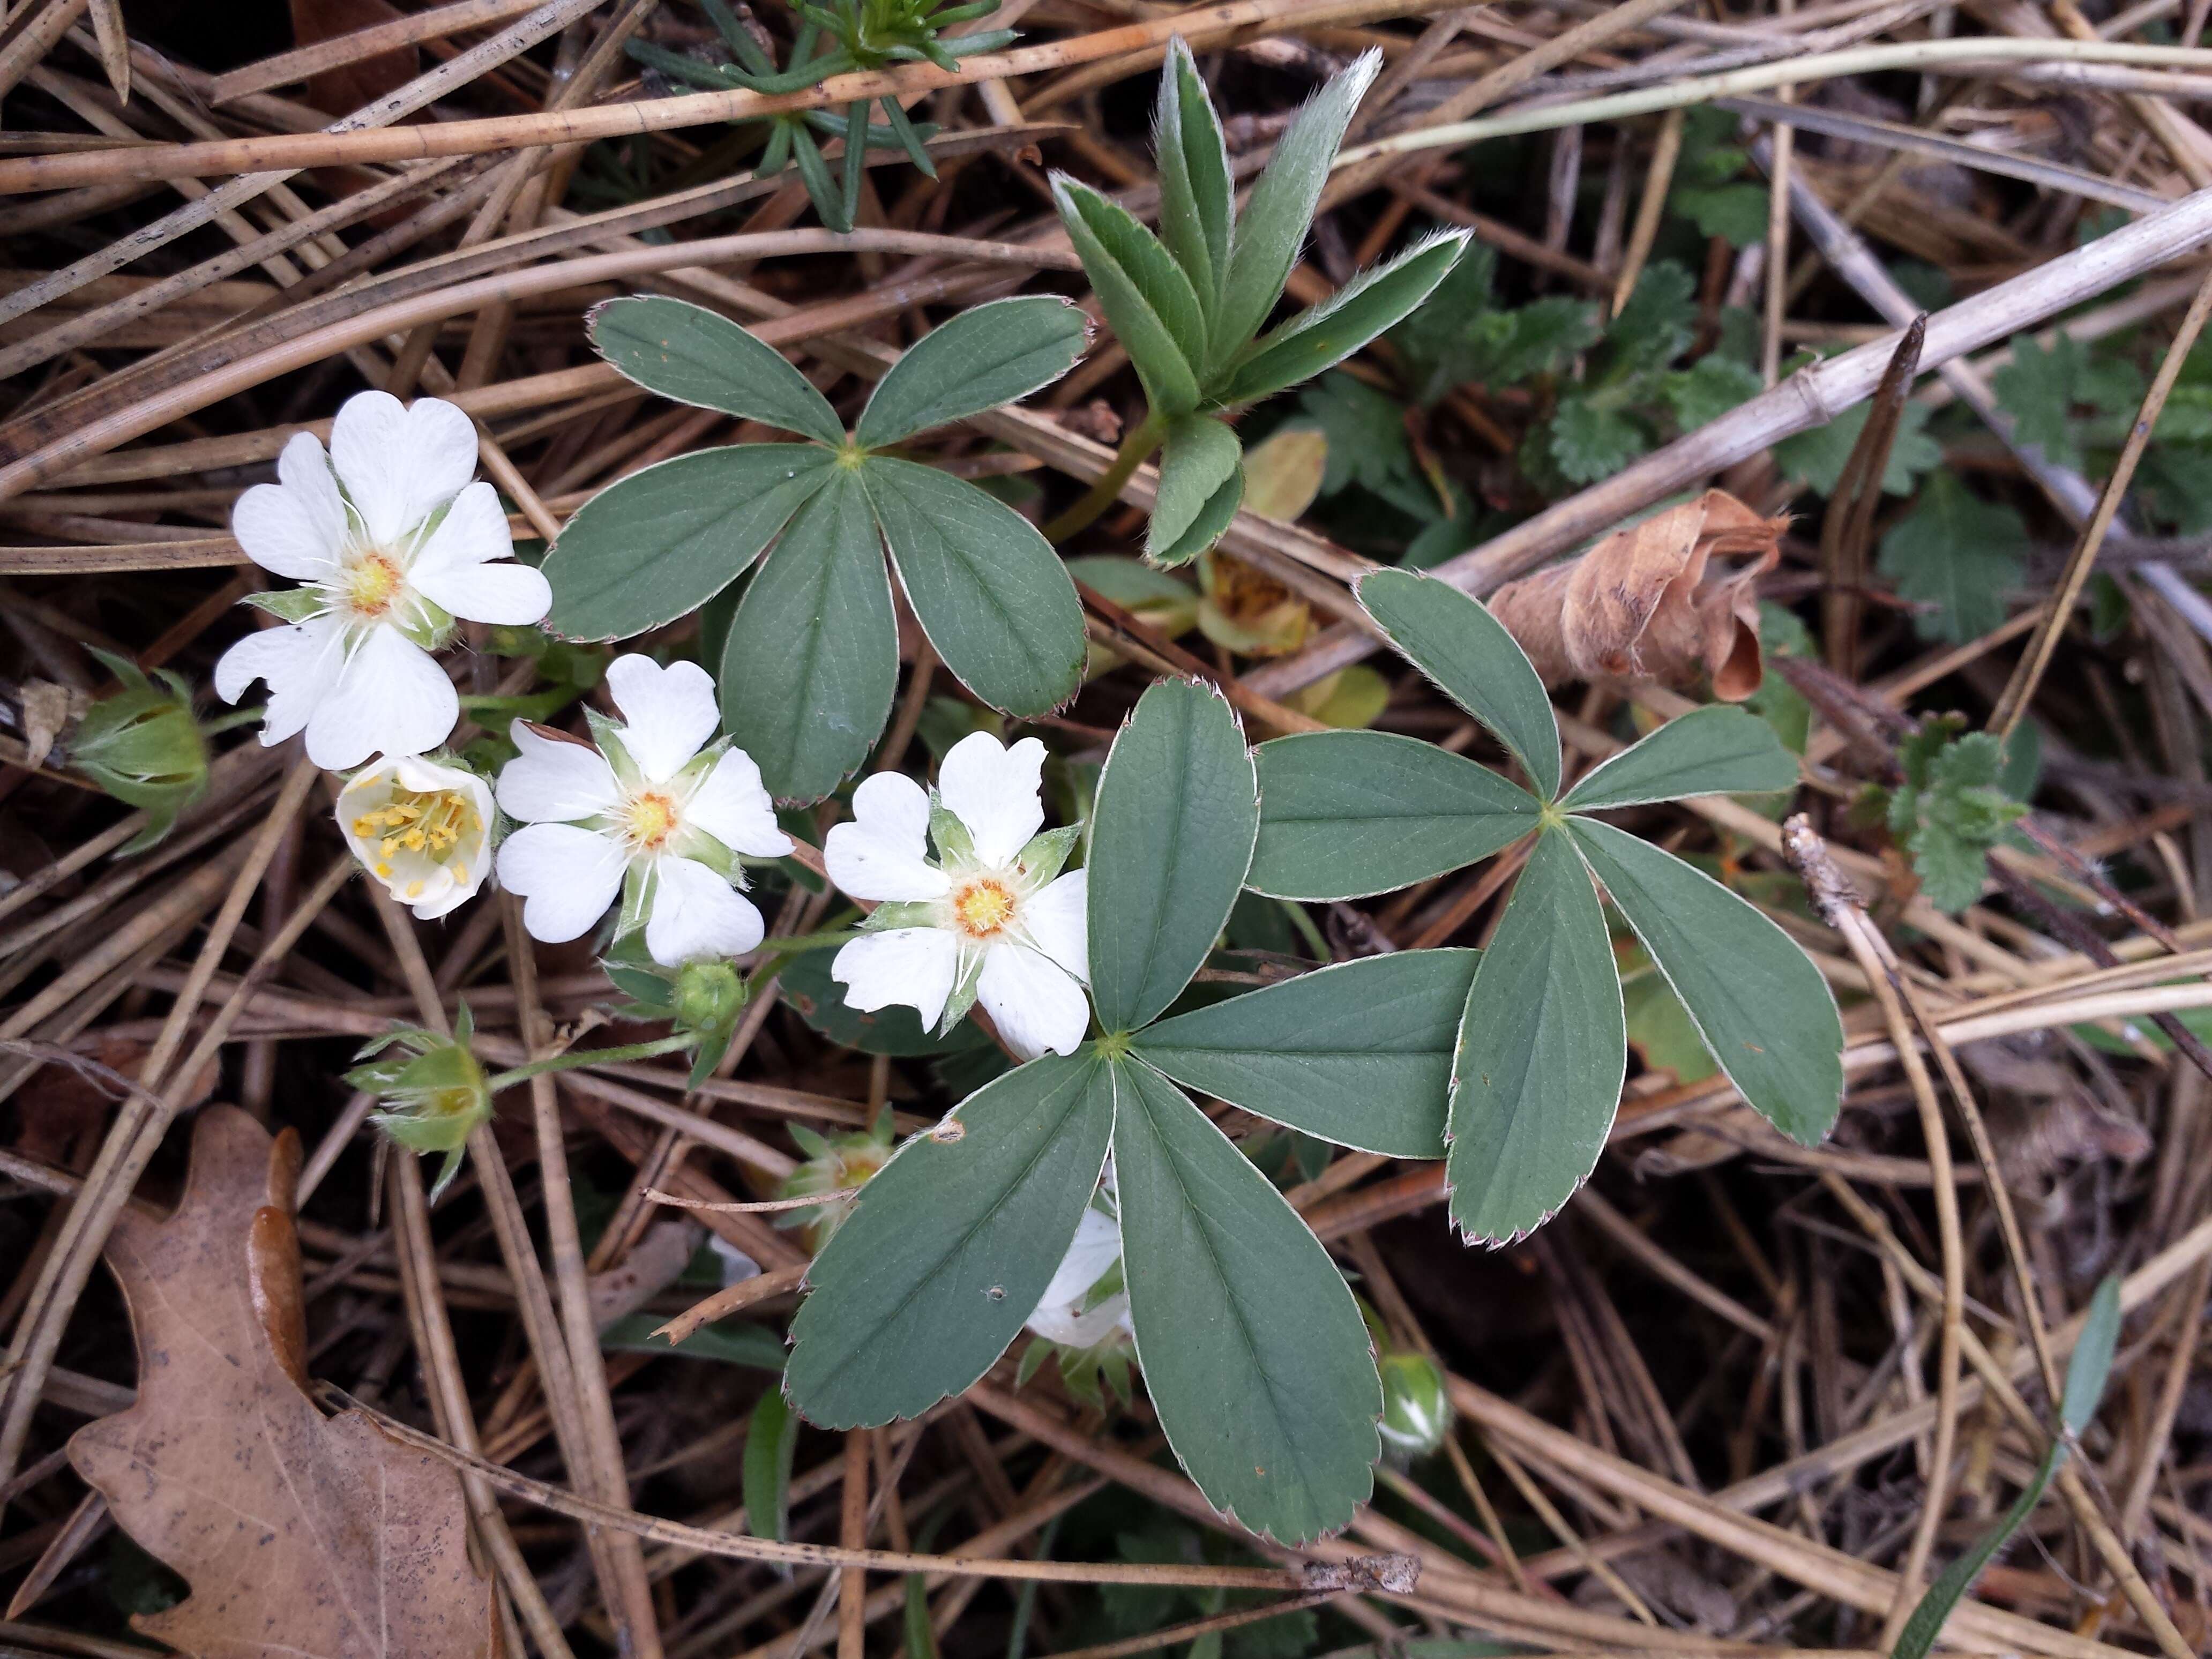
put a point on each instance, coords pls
(949, 1246)
(694, 355)
(1759, 1002)
(1200, 460)
(813, 654)
(1718, 750)
(1252, 1348)
(660, 543)
(1359, 1054)
(1454, 639)
(1171, 841)
(1347, 814)
(988, 355)
(298, 1534)
(1543, 1051)
(987, 589)
(1148, 300)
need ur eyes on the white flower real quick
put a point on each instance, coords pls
(993, 920)
(1060, 1314)
(645, 812)
(393, 542)
(422, 830)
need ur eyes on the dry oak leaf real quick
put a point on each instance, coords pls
(1647, 604)
(302, 1536)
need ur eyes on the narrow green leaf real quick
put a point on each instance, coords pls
(1542, 1052)
(1198, 200)
(989, 590)
(988, 355)
(1171, 839)
(1346, 814)
(728, 1341)
(812, 656)
(1207, 528)
(770, 1439)
(1756, 999)
(2092, 1361)
(1359, 1054)
(1718, 750)
(1281, 207)
(1200, 456)
(1253, 1349)
(693, 356)
(1150, 303)
(1324, 335)
(660, 543)
(948, 1247)
(1452, 639)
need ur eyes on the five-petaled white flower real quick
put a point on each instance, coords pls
(422, 830)
(649, 813)
(394, 543)
(992, 920)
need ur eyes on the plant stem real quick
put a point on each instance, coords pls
(1136, 449)
(576, 1057)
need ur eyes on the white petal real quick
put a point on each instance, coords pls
(300, 662)
(732, 807)
(1096, 1247)
(1057, 921)
(1034, 1003)
(465, 567)
(697, 913)
(554, 779)
(911, 966)
(391, 698)
(668, 714)
(994, 792)
(567, 876)
(399, 465)
(305, 472)
(455, 896)
(1059, 1322)
(295, 528)
(879, 854)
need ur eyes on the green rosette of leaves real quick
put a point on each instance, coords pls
(1189, 303)
(1251, 1345)
(811, 660)
(1542, 1047)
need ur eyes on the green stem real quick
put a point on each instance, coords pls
(576, 1057)
(236, 717)
(1136, 449)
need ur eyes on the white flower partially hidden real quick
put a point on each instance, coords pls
(394, 543)
(991, 921)
(1066, 1313)
(422, 830)
(649, 814)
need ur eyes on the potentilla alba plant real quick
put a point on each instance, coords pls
(421, 827)
(391, 543)
(990, 918)
(655, 812)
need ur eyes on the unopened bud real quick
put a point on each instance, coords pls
(709, 995)
(142, 746)
(432, 1088)
(1416, 1407)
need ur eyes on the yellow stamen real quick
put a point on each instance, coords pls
(983, 908)
(652, 820)
(373, 585)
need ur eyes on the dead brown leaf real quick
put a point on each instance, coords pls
(1647, 605)
(299, 1535)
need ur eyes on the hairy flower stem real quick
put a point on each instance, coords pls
(576, 1057)
(1136, 449)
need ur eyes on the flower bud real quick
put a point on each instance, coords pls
(709, 996)
(422, 828)
(142, 746)
(1416, 1406)
(431, 1087)
(837, 1163)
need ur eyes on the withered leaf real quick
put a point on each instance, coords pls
(1648, 603)
(301, 1536)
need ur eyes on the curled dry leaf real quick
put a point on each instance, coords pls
(299, 1535)
(1648, 603)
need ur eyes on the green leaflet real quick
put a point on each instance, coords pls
(770, 1440)
(1456, 642)
(812, 655)
(1326, 334)
(1542, 1053)
(1207, 527)
(1346, 814)
(1198, 200)
(1718, 750)
(1359, 1054)
(1171, 837)
(1273, 224)
(693, 356)
(948, 1247)
(1253, 1349)
(1148, 299)
(1759, 1002)
(987, 588)
(988, 355)
(1957, 555)
(662, 542)
(1200, 455)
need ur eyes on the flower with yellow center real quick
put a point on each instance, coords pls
(991, 920)
(422, 828)
(390, 543)
(652, 811)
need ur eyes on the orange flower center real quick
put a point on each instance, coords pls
(373, 586)
(652, 821)
(983, 908)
